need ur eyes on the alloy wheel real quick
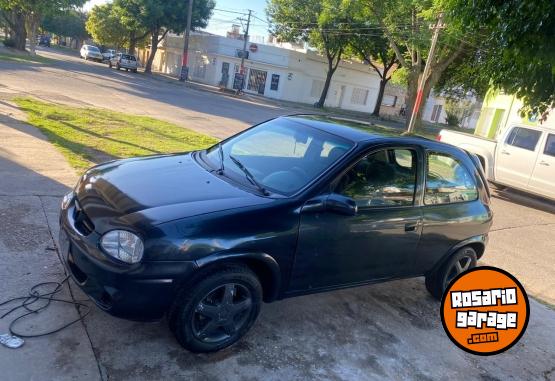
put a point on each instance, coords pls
(460, 266)
(222, 313)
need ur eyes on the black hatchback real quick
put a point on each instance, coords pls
(292, 206)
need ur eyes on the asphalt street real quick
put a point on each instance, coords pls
(385, 331)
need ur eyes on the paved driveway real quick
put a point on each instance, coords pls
(387, 331)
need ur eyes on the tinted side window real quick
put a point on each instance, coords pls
(447, 181)
(524, 138)
(550, 145)
(384, 178)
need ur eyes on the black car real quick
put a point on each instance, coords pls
(293, 206)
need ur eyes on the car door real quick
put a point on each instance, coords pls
(543, 176)
(516, 157)
(452, 211)
(376, 242)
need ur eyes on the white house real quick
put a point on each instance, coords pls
(275, 72)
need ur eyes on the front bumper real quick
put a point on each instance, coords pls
(142, 291)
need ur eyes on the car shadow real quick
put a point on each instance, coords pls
(523, 199)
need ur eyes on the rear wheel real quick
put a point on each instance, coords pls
(117, 66)
(110, 64)
(216, 311)
(134, 70)
(438, 281)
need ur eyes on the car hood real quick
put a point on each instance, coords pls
(144, 192)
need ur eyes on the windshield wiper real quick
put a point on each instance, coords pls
(249, 175)
(221, 153)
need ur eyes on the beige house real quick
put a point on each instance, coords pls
(275, 72)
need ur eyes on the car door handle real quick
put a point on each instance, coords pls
(505, 152)
(411, 226)
(544, 163)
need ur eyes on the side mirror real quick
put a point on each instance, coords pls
(334, 203)
(339, 204)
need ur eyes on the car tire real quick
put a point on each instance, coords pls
(117, 66)
(134, 70)
(202, 320)
(110, 65)
(463, 260)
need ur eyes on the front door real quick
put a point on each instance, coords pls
(543, 176)
(516, 157)
(379, 241)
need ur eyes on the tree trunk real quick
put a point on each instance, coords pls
(381, 91)
(32, 24)
(412, 88)
(19, 32)
(132, 43)
(327, 83)
(152, 53)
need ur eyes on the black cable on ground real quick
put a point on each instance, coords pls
(34, 296)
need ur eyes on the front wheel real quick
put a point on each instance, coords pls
(438, 281)
(217, 310)
(110, 65)
(117, 66)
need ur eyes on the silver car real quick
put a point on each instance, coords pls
(90, 52)
(124, 61)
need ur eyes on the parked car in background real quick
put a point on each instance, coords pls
(108, 54)
(523, 157)
(44, 41)
(292, 206)
(91, 52)
(124, 61)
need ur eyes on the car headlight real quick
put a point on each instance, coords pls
(68, 198)
(123, 245)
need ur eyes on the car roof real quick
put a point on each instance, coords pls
(352, 129)
(364, 132)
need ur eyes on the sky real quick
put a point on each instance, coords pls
(222, 18)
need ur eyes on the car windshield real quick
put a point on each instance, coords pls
(128, 57)
(94, 49)
(281, 155)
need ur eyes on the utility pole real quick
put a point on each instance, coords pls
(185, 60)
(245, 40)
(418, 101)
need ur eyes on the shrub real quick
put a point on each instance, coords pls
(452, 119)
(9, 42)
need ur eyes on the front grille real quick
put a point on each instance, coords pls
(82, 222)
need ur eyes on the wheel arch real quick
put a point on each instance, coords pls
(263, 265)
(478, 243)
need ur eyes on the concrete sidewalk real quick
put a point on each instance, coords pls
(33, 177)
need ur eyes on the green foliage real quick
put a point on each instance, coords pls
(69, 23)
(324, 24)
(157, 15)
(105, 26)
(452, 119)
(518, 37)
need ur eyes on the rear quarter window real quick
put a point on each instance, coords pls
(448, 181)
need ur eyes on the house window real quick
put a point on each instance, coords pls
(274, 85)
(359, 96)
(389, 100)
(317, 88)
(436, 113)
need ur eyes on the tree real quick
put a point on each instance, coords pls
(323, 24)
(27, 16)
(14, 19)
(519, 48)
(70, 23)
(405, 24)
(162, 16)
(369, 44)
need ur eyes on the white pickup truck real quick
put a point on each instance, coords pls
(523, 157)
